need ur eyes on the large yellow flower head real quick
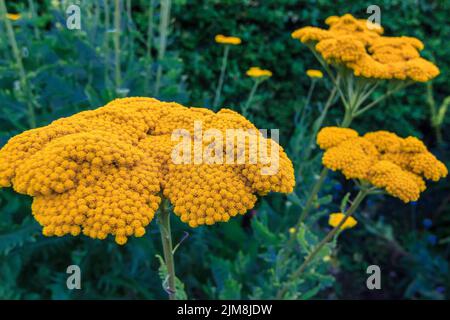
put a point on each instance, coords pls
(103, 171)
(361, 47)
(397, 165)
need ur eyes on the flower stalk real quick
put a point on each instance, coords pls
(222, 77)
(299, 271)
(250, 97)
(117, 71)
(17, 56)
(106, 38)
(163, 34)
(437, 114)
(166, 239)
(149, 44)
(34, 16)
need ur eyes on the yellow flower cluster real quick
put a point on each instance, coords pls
(335, 219)
(314, 73)
(13, 16)
(102, 172)
(381, 158)
(220, 38)
(350, 42)
(256, 72)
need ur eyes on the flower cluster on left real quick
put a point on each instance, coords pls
(102, 172)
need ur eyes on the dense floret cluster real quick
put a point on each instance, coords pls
(360, 45)
(397, 165)
(103, 171)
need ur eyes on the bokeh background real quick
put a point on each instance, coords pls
(67, 71)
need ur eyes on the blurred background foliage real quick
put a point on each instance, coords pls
(67, 71)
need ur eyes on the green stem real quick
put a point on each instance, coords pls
(333, 78)
(149, 45)
(17, 56)
(250, 98)
(318, 124)
(222, 77)
(348, 117)
(299, 271)
(163, 33)
(131, 33)
(378, 100)
(33, 16)
(117, 72)
(308, 99)
(106, 39)
(313, 195)
(166, 239)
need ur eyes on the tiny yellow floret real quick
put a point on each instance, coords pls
(336, 218)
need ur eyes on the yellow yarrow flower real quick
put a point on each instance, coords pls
(13, 16)
(292, 230)
(397, 165)
(349, 42)
(102, 172)
(335, 219)
(256, 72)
(220, 38)
(314, 73)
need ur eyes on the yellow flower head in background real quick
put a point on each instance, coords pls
(335, 219)
(314, 73)
(256, 72)
(397, 165)
(13, 16)
(102, 172)
(350, 42)
(220, 38)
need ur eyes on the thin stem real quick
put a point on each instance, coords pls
(106, 39)
(308, 99)
(317, 125)
(131, 33)
(163, 33)
(250, 98)
(313, 195)
(33, 16)
(222, 77)
(331, 75)
(117, 31)
(298, 272)
(17, 56)
(376, 101)
(149, 45)
(166, 239)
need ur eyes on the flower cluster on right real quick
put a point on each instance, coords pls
(381, 158)
(361, 47)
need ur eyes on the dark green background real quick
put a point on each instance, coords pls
(66, 70)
